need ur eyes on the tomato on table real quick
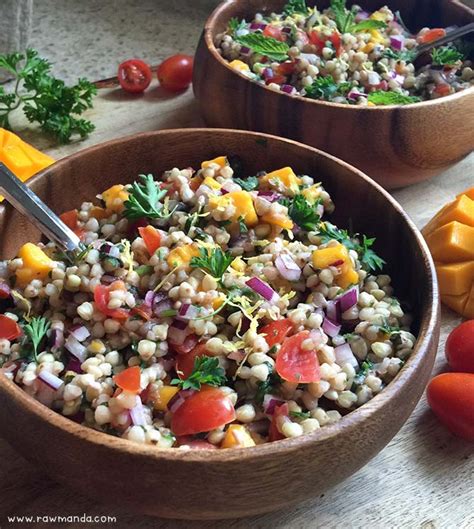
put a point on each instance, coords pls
(431, 35)
(203, 411)
(9, 329)
(185, 362)
(102, 298)
(459, 348)
(295, 364)
(276, 331)
(451, 397)
(134, 76)
(151, 237)
(129, 379)
(274, 32)
(274, 433)
(176, 73)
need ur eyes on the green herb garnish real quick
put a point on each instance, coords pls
(326, 88)
(300, 414)
(45, 99)
(389, 330)
(402, 55)
(269, 385)
(345, 19)
(213, 261)
(295, 6)
(446, 56)
(380, 97)
(168, 313)
(302, 212)
(235, 25)
(242, 226)
(249, 184)
(35, 332)
(144, 200)
(74, 257)
(144, 270)
(267, 46)
(206, 371)
(366, 366)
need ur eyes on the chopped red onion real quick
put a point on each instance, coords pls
(373, 78)
(288, 89)
(56, 339)
(111, 250)
(149, 297)
(287, 267)
(286, 30)
(137, 413)
(400, 79)
(255, 26)
(263, 289)
(348, 299)
(271, 196)
(190, 312)
(75, 347)
(167, 362)
(331, 328)
(74, 365)
(245, 51)
(270, 402)
(177, 400)
(224, 190)
(333, 310)
(397, 42)
(344, 355)
(50, 380)
(80, 332)
(177, 332)
(5, 290)
(354, 95)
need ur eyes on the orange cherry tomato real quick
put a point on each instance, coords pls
(460, 348)
(451, 397)
(129, 379)
(276, 331)
(176, 73)
(9, 329)
(134, 76)
(204, 411)
(274, 32)
(71, 219)
(185, 362)
(274, 433)
(431, 35)
(151, 237)
(295, 364)
(102, 298)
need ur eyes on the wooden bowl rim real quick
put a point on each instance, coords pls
(222, 8)
(428, 323)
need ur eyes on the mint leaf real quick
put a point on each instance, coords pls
(295, 6)
(268, 46)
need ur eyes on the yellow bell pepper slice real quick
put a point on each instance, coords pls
(36, 264)
(237, 436)
(165, 394)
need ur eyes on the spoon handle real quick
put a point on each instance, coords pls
(449, 37)
(30, 205)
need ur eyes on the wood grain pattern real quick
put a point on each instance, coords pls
(157, 481)
(396, 146)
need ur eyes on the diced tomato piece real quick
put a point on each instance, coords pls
(102, 298)
(204, 411)
(185, 362)
(274, 32)
(151, 237)
(335, 39)
(295, 364)
(442, 89)
(274, 433)
(187, 346)
(143, 311)
(71, 219)
(431, 35)
(318, 41)
(276, 331)
(129, 379)
(9, 329)
(286, 68)
(277, 79)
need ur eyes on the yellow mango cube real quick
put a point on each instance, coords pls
(210, 182)
(182, 255)
(237, 436)
(165, 394)
(36, 264)
(312, 193)
(456, 278)
(221, 161)
(331, 256)
(243, 203)
(114, 198)
(461, 210)
(240, 66)
(452, 242)
(284, 176)
(281, 221)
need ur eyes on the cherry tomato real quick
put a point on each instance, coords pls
(274, 32)
(129, 379)
(134, 76)
(451, 397)
(151, 237)
(276, 331)
(431, 35)
(102, 298)
(9, 329)
(187, 346)
(185, 362)
(71, 219)
(176, 73)
(295, 364)
(274, 433)
(204, 411)
(460, 348)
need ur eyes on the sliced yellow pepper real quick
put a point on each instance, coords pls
(36, 264)
(165, 394)
(237, 436)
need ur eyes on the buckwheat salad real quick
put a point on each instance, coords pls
(344, 55)
(203, 310)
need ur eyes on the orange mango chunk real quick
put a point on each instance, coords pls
(285, 176)
(221, 161)
(456, 278)
(36, 264)
(182, 255)
(114, 198)
(461, 210)
(337, 256)
(468, 192)
(281, 221)
(165, 394)
(452, 242)
(237, 436)
(243, 204)
(457, 303)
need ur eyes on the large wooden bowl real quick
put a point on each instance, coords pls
(396, 146)
(225, 483)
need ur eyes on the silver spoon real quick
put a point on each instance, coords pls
(449, 37)
(30, 205)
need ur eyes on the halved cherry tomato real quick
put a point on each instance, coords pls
(185, 362)
(460, 348)
(9, 329)
(295, 364)
(276, 331)
(187, 346)
(204, 411)
(129, 379)
(134, 76)
(151, 237)
(431, 35)
(176, 73)
(442, 89)
(71, 219)
(451, 397)
(274, 433)
(274, 32)
(102, 298)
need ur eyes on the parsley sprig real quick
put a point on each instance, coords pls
(446, 56)
(345, 19)
(400, 55)
(295, 6)
(235, 26)
(326, 88)
(302, 212)
(144, 200)
(45, 99)
(248, 184)
(380, 97)
(206, 371)
(35, 332)
(366, 366)
(213, 261)
(268, 46)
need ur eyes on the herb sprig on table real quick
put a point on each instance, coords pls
(45, 99)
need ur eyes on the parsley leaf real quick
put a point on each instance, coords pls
(345, 19)
(402, 55)
(389, 330)
(366, 366)
(369, 259)
(235, 25)
(267, 46)
(269, 385)
(300, 414)
(213, 261)
(44, 98)
(446, 56)
(35, 331)
(326, 88)
(249, 184)
(380, 97)
(144, 200)
(242, 226)
(295, 6)
(206, 371)
(302, 212)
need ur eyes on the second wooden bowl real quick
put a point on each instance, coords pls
(396, 146)
(241, 482)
